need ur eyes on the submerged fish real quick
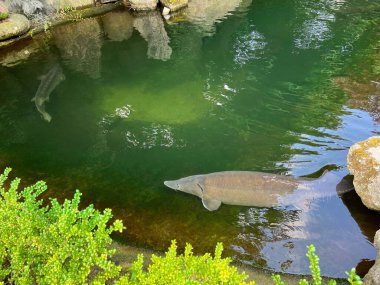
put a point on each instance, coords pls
(248, 188)
(48, 83)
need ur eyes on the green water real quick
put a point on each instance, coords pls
(248, 86)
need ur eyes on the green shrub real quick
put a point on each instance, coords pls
(56, 244)
(185, 269)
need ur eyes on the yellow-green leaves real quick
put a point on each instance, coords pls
(56, 244)
(185, 269)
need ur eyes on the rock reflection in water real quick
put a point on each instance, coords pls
(118, 25)
(205, 13)
(152, 29)
(364, 96)
(80, 46)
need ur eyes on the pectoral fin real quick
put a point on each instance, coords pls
(211, 204)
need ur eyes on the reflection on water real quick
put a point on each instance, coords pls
(240, 85)
(151, 27)
(80, 46)
(118, 25)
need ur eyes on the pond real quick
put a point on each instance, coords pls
(116, 105)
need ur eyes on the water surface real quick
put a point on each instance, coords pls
(264, 85)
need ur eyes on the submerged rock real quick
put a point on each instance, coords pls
(175, 5)
(143, 5)
(364, 163)
(4, 13)
(15, 25)
(373, 276)
(152, 29)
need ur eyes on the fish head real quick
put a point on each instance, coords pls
(189, 185)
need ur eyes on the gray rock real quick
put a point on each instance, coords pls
(15, 25)
(143, 5)
(60, 4)
(363, 162)
(175, 5)
(107, 1)
(32, 7)
(373, 275)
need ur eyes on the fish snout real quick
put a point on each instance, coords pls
(171, 184)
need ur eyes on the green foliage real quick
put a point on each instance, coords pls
(56, 244)
(353, 278)
(185, 269)
(4, 15)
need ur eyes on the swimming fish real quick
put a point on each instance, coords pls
(249, 188)
(48, 83)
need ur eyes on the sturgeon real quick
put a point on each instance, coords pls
(249, 188)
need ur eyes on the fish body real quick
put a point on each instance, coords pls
(48, 83)
(245, 188)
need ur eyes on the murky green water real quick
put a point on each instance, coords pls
(264, 86)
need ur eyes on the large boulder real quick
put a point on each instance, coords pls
(143, 5)
(15, 25)
(373, 275)
(364, 163)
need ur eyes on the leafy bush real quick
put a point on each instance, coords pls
(185, 269)
(57, 244)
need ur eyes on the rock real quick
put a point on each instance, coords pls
(32, 7)
(107, 1)
(165, 11)
(373, 275)
(4, 13)
(15, 25)
(364, 163)
(61, 4)
(175, 5)
(143, 5)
